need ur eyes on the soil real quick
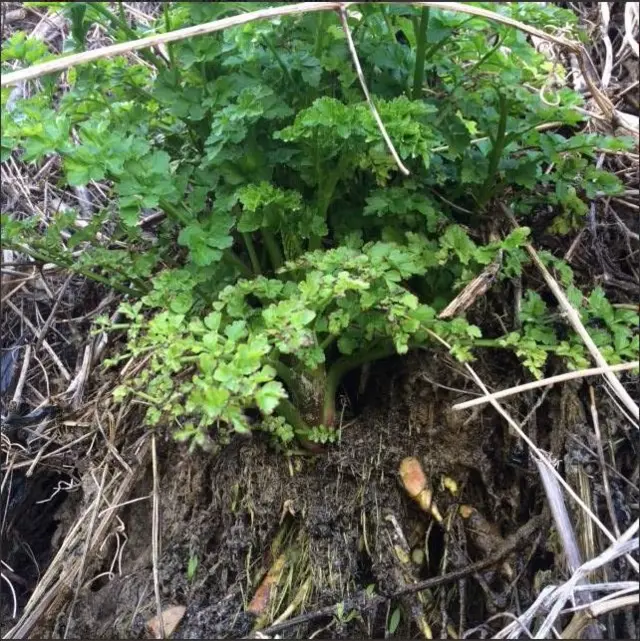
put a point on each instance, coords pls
(340, 517)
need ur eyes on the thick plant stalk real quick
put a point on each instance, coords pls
(338, 370)
(421, 44)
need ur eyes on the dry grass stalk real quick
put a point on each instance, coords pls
(365, 90)
(623, 546)
(55, 586)
(87, 546)
(14, 611)
(45, 328)
(545, 382)
(54, 357)
(631, 19)
(553, 598)
(605, 13)
(155, 536)
(603, 463)
(17, 394)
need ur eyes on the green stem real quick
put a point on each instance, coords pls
(326, 341)
(56, 260)
(315, 242)
(450, 103)
(231, 258)
(288, 378)
(251, 250)
(115, 21)
(416, 25)
(320, 33)
(496, 152)
(266, 41)
(387, 22)
(486, 342)
(495, 342)
(326, 191)
(180, 214)
(167, 27)
(290, 414)
(436, 46)
(273, 249)
(421, 44)
(337, 372)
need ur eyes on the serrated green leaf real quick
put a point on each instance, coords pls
(269, 396)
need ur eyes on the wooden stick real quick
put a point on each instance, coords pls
(552, 380)
(66, 62)
(470, 9)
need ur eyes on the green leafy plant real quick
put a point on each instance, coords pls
(291, 250)
(394, 621)
(192, 567)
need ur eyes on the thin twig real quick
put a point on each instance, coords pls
(552, 380)
(47, 324)
(627, 231)
(155, 536)
(365, 601)
(17, 395)
(365, 90)
(16, 289)
(47, 347)
(603, 463)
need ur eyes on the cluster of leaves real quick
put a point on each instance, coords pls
(326, 313)
(291, 248)
(543, 333)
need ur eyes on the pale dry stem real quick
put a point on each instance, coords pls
(365, 90)
(546, 382)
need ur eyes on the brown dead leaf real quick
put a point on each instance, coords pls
(262, 597)
(171, 617)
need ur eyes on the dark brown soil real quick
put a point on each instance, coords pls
(338, 511)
